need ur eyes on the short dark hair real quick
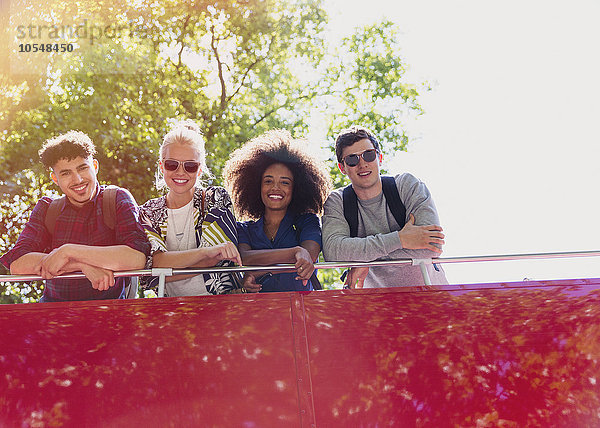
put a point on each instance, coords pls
(66, 146)
(243, 173)
(351, 135)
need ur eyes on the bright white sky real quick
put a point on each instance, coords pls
(509, 144)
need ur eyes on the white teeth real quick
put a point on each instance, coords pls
(179, 181)
(275, 197)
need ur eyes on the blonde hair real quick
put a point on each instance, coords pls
(184, 135)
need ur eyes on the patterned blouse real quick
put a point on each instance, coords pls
(214, 225)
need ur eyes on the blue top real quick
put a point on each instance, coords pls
(293, 230)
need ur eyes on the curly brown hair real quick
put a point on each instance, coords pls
(243, 173)
(66, 146)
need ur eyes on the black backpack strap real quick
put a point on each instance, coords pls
(54, 210)
(315, 281)
(392, 198)
(351, 209)
(109, 206)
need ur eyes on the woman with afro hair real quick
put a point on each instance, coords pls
(274, 182)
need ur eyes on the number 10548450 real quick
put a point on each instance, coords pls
(45, 47)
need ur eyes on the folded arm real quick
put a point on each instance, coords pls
(111, 257)
(27, 264)
(196, 257)
(31, 263)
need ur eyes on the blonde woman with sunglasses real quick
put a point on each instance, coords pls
(190, 226)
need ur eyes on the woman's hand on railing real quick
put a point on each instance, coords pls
(224, 251)
(249, 283)
(304, 265)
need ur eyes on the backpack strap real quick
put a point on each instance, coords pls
(314, 280)
(109, 209)
(54, 210)
(109, 206)
(392, 198)
(351, 209)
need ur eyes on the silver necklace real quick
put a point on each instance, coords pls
(180, 234)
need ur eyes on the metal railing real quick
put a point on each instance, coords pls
(162, 273)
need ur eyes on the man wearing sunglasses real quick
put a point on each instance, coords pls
(379, 220)
(79, 238)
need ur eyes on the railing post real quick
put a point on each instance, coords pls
(162, 273)
(133, 287)
(423, 265)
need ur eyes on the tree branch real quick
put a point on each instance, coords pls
(179, 62)
(220, 67)
(285, 104)
(250, 67)
(289, 101)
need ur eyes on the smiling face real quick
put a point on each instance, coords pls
(76, 178)
(277, 187)
(181, 183)
(364, 176)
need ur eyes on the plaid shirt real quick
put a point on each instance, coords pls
(85, 226)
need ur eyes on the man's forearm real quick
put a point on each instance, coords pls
(74, 266)
(340, 248)
(112, 257)
(413, 254)
(27, 264)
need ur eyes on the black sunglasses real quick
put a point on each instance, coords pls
(173, 165)
(367, 155)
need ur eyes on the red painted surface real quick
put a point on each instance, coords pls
(492, 354)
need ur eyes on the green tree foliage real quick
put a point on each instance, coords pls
(366, 86)
(25, 190)
(238, 68)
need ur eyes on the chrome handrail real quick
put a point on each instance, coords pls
(324, 265)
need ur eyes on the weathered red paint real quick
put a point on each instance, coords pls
(490, 354)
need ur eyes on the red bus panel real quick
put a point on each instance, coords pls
(491, 354)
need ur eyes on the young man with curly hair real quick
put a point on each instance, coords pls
(377, 233)
(80, 240)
